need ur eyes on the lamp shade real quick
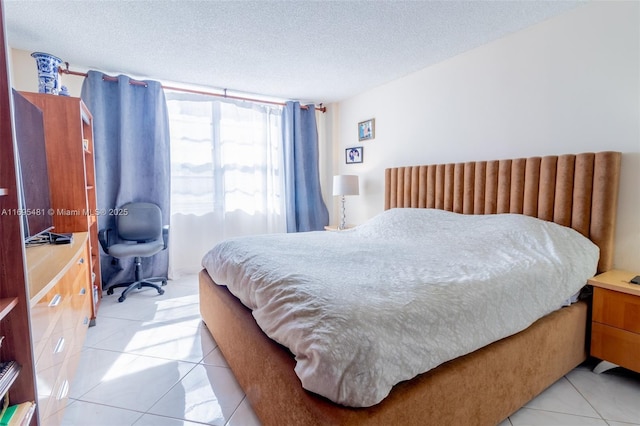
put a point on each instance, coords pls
(345, 185)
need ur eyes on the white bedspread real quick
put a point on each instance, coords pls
(366, 308)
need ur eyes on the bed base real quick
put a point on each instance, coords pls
(481, 388)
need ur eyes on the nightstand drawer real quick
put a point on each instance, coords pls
(616, 309)
(617, 346)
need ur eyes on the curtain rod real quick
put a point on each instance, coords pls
(320, 107)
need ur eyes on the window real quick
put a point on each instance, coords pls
(226, 173)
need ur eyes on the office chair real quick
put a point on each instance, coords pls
(142, 235)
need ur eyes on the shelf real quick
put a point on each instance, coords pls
(9, 376)
(20, 414)
(85, 118)
(6, 305)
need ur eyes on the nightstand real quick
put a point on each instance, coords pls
(335, 228)
(615, 326)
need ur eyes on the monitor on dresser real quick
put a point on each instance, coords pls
(33, 176)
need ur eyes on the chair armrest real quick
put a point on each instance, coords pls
(165, 236)
(103, 237)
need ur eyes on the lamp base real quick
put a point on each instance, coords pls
(343, 217)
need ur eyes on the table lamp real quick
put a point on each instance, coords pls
(345, 185)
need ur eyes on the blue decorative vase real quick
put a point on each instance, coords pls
(48, 76)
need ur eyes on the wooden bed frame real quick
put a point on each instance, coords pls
(485, 386)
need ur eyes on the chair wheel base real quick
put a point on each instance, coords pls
(135, 286)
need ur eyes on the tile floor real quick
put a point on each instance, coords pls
(151, 362)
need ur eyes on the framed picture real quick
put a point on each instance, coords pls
(367, 129)
(353, 155)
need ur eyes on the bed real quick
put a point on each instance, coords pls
(484, 386)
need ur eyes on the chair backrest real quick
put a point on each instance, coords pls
(139, 222)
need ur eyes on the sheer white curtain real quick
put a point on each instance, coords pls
(226, 174)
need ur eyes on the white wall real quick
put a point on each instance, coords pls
(567, 85)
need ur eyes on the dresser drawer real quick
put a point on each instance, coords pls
(46, 382)
(616, 309)
(53, 390)
(57, 348)
(80, 301)
(80, 264)
(615, 345)
(80, 332)
(46, 319)
(47, 311)
(58, 399)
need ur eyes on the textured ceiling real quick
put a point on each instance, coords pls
(318, 51)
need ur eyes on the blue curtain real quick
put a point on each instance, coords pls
(131, 144)
(305, 207)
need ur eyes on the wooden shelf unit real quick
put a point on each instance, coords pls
(68, 125)
(14, 299)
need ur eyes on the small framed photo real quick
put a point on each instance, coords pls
(367, 129)
(353, 155)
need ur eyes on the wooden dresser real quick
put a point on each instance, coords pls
(615, 329)
(68, 128)
(60, 287)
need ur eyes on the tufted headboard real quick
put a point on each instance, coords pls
(579, 191)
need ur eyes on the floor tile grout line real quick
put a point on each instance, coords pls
(97, 384)
(563, 412)
(150, 356)
(173, 418)
(80, 398)
(146, 354)
(244, 396)
(566, 414)
(194, 364)
(169, 390)
(175, 321)
(175, 303)
(586, 399)
(152, 405)
(108, 405)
